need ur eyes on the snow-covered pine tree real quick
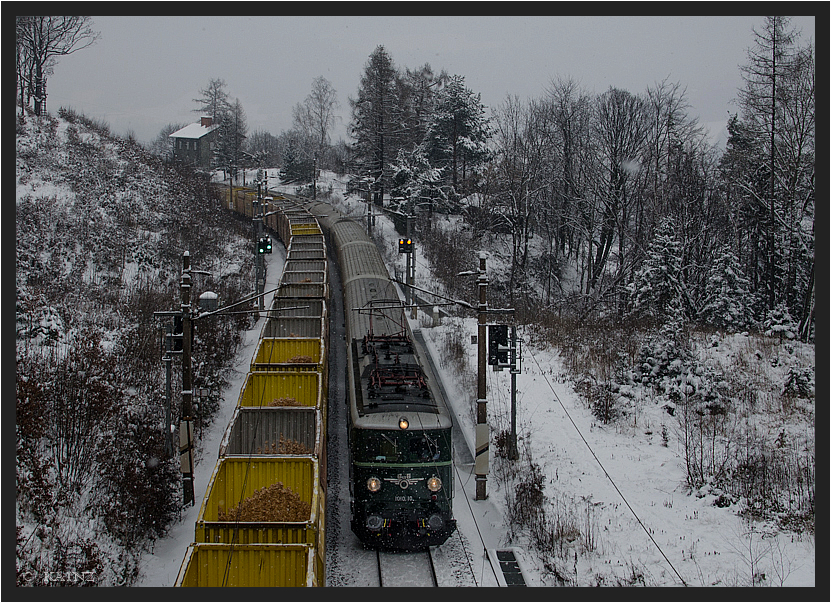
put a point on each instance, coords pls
(727, 295)
(295, 167)
(780, 323)
(457, 134)
(657, 283)
(415, 181)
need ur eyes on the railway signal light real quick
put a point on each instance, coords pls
(176, 336)
(498, 345)
(264, 245)
(405, 245)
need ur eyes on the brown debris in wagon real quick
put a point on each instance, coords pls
(272, 503)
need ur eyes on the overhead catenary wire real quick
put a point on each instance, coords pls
(605, 472)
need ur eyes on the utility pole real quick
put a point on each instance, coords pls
(259, 264)
(186, 421)
(482, 432)
(186, 443)
(411, 261)
(513, 452)
(168, 366)
(314, 178)
(369, 210)
(481, 463)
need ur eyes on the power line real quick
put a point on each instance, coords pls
(609, 477)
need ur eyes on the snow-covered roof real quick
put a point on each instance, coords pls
(192, 131)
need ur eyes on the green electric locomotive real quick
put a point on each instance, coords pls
(400, 443)
(401, 473)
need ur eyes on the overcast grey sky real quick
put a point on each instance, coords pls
(145, 71)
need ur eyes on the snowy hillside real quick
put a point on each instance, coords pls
(101, 230)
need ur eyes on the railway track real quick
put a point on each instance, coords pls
(411, 569)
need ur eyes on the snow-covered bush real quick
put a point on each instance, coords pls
(779, 323)
(138, 479)
(799, 382)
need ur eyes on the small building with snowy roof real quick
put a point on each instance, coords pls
(195, 143)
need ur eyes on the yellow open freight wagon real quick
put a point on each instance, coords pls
(264, 388)
(261, 565)
(236, 478)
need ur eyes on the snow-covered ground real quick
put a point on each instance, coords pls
(621, 487)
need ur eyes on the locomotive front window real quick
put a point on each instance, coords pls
(388, 447)
(423, 449)
(371, 446)
(375, 446)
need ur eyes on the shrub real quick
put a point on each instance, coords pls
(528, 496)
(799, 382)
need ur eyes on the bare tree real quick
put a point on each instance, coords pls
(669, 125)
(520, 176)
(39, 41)
(265, 145)
(162, 144)
(621, 125)
(571, 164)
(315, 116)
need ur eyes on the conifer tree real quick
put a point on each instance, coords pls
(769, 62)
(374, 125)
(458, 133)
(727, 296)
(657, 283)
(415, 180)
(213, 100)
(295, 167)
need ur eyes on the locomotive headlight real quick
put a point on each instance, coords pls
(403, 423)
(434, 484)
(373, 484)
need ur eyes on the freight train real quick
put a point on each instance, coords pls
(401, 479)
(262, 521)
